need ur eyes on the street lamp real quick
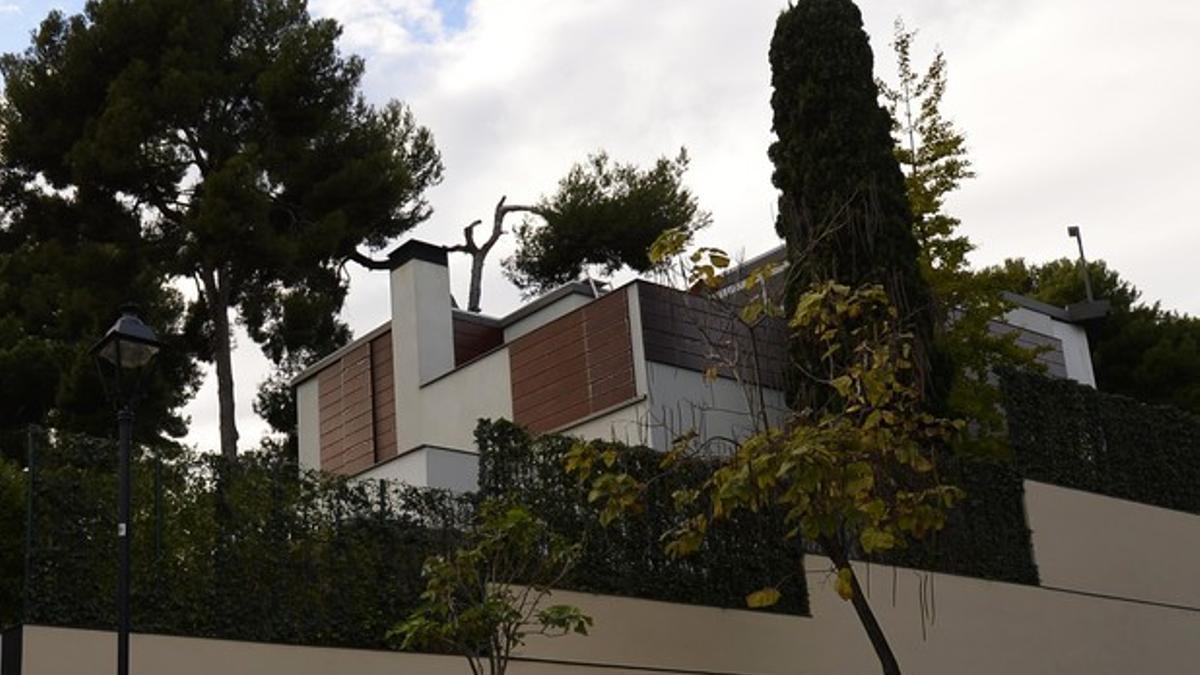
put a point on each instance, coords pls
(123, 355)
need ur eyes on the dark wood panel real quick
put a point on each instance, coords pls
(680, 329)
(472, 339)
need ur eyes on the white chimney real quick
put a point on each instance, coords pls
(422, 325)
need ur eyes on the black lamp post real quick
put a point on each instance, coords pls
(123, 355)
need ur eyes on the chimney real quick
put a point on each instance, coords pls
(422, 327)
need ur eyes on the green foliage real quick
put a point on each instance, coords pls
(234, 138)
(13, 490)
(482, 600)
(66, 266)
(298, 559)
(932, 152)
(843, 209)
(1074, 436)
(861, 467)
(739, 555)
(987, 534)
(605, 214)
(1140, 350)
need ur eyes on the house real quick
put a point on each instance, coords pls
(627, 364)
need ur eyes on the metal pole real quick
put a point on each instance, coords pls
(31, 486)
(124, 533)
(1087, 278)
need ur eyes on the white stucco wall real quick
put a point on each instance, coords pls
(456, 470)
(308, 420)
(627, 424)
(447, 410)
(680, 400)
(1088, 542)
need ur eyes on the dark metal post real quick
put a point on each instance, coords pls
(124, 533)
(1073, 231)
(31, 487)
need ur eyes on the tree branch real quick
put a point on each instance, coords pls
(368, 262)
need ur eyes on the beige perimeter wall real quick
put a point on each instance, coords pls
(969, 626)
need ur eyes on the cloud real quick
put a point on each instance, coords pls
(1076, 113)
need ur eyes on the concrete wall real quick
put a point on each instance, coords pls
(447, 409)
(1088, 542)
(681, 400)
(629, 424)
(937, 624)
(308, 415)
(447, 468)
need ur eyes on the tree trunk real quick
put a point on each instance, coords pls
(217, 299)
(477, 260)
(479, 252)
(887, 660)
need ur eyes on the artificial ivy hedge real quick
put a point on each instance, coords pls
(627, 557)
(987, 534)
(252, 550)
(1071, 435)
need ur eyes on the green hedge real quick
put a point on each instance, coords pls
(987, 535)
(626, 557)
(284, 557)
(1074, 436)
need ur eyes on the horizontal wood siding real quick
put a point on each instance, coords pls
(688, 331)
(383, 395)
(473, 338)
(356, 399)
(574, 366)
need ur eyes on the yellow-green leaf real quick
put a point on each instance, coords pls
(763, 597)
(843, 585)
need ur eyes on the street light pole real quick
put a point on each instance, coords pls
(127, 349)
(124, 534)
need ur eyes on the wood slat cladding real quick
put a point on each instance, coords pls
(678, 329)
(473, 338)
(357, 420)
(576, 365)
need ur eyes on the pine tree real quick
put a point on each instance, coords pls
(236, 134)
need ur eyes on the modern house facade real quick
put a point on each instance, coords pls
(629, 364)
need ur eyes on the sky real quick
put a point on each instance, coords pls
(1076, 112)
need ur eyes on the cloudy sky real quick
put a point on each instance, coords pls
(1076, 112)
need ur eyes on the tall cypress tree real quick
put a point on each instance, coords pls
(843, 209)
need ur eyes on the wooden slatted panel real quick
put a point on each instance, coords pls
(346, 420)
(472, 339)
(383, 395)
(576, 365)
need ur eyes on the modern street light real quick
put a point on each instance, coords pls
(123, 355)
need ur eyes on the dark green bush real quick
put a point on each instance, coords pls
(280, 557)
(627, 557)
(1074, 436)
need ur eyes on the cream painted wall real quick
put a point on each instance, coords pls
(681, 400)
(308, 418)
(978, 628)
(448, 409)
(627, 424)
(1088, 542)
